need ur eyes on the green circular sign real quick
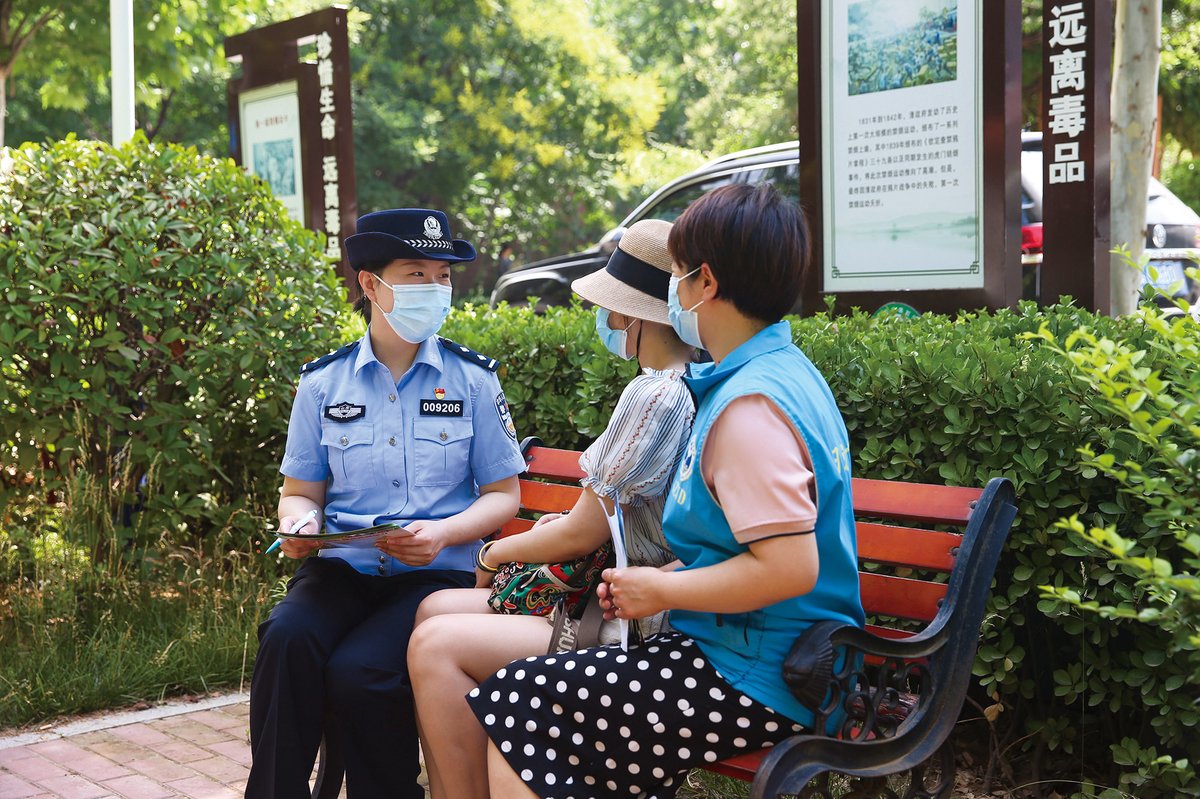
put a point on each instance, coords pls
(896, 310)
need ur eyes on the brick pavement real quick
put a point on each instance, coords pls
(199, 750)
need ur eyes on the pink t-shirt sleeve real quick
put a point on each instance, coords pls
(758, 467)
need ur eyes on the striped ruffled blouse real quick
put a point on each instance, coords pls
(634, 459)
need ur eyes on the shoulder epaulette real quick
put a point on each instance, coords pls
(330, 358)
(491, 364)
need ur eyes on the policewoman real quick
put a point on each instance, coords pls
(400, 426)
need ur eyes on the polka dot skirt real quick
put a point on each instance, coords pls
(605, 723)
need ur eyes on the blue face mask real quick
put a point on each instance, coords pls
(417, 311)
(615, 341)
(686, 323)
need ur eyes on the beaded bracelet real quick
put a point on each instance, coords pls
(479, 562)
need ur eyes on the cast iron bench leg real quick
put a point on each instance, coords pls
(330, 769)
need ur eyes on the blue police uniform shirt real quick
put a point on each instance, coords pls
(399, 452)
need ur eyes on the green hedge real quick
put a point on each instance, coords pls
(157, 306)
(953, 401)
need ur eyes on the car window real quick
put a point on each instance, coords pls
(670, 207)
(1026, 208)
(784, 176)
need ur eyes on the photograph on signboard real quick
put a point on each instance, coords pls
(275, 163)
(270, 128)
(902, 145)
(898, 44)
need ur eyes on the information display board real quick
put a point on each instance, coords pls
(270, 125)
(903, 145)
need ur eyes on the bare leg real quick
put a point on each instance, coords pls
(448, 657)
(454, 600)
(502, 780)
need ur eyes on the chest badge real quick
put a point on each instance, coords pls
(345, 412)
(440, 406)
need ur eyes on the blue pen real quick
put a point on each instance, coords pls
(303, 520)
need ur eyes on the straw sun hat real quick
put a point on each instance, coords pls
(635, 281)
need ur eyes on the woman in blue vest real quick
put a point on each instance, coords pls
(760, 516)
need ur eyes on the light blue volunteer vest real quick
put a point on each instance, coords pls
(748, 649)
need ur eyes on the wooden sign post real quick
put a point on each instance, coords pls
(1076, 69)
(290, 120)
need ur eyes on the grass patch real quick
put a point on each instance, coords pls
(89, 620)
(67, 650)
(701, 784)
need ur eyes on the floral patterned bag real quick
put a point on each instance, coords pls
(533, 589)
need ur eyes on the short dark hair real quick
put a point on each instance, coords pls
(754, 239)
(361, 303)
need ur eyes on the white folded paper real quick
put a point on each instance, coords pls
(616, 527)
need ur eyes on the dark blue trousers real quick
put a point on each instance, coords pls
(339, 642)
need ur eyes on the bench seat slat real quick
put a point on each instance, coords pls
(918, 502)
(900, 596)
(547, 497)
(740, 767)
(907, 546)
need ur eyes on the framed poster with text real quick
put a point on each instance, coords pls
(270, 126)
(902, 153)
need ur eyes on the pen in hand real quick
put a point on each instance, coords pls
(299, 525)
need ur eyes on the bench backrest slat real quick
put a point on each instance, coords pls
(555, 464)
(901, 597)
(907, 546)
(548, 497)
(917, 502)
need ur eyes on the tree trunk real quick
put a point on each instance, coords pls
(3, 104)
(1134, 106)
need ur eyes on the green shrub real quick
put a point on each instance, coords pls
(157, 306)
(953, 401)
(1154, 569)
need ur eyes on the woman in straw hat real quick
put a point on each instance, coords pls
(760, 517)
(455, 646)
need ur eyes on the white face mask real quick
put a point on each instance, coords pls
(615, 341)
(417, 311)
(686, 323)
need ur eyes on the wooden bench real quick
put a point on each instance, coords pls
(899, 693)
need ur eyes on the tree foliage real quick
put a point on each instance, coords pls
(512, 118)
(729, 73)
(1179, 65)
(60, 80)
